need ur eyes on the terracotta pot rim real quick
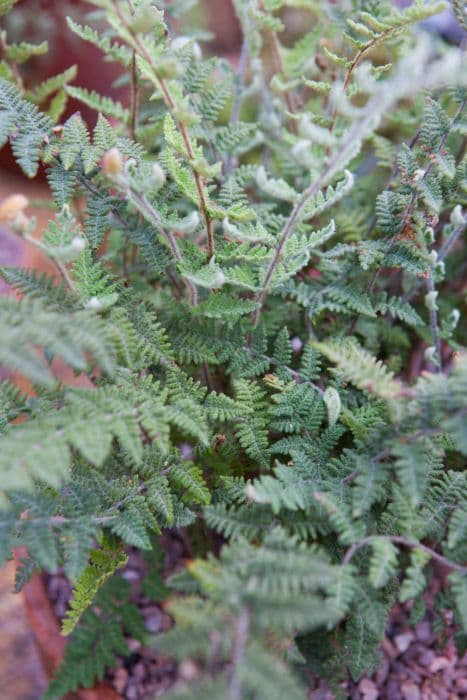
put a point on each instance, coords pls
(49, 640)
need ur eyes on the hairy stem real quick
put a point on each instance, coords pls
(413, 200)
(430, 285)
(240, 639)
(163, 86)
(443, 252)
(146, 208)
(240, 84)
(293, 219)
(279, 69)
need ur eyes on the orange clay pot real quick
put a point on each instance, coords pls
(49, 640)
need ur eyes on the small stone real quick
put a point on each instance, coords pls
(154, 623)
(392, 690)
(120, 680)
(134, 645)
(389, 648)
(139, 670)
(188, 670)
(403, 641)
(461, 685)
(132, 692)
(296, 344)
(166, 622)
(423, 631)
(410, 691)
(439, 664)
(368, 689)
(426, 657)
(382, 672)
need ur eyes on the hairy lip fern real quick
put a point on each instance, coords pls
(251, 265)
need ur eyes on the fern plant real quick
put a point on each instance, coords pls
(249, 266)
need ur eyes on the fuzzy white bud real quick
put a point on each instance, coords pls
(78, 243)
(12, 207)
(430, 354)
(454, 318)
(457, 218)
(419, 174)
(433, 256)
(158, 177)
(93, 304)
(333, 403)
(112, 162)
(189, 224)
(430, 301)
(251, 492)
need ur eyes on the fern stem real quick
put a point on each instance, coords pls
(14, 66)
(442, 255)
(62, 270)
(338, 160)
(430, 285)
(134, 97)
(294, 217)
(279, 69)
(413, 200)
(146, 208)
(411, 544)
(356, 61)
(240, 84)
(162, 85)
(240, 638)
(393, 174)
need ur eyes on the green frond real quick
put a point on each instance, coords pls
(103, 563)
(99, 103)
(414, 582)
(361, 369)
(383, 563)
(26, 325)
(30, 128)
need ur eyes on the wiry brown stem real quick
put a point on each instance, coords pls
(279, 69)
(405, 542)
(161, 83)
(134, 97)
(293, 219)
(150, 213)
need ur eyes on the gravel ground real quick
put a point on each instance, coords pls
(418, 662)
